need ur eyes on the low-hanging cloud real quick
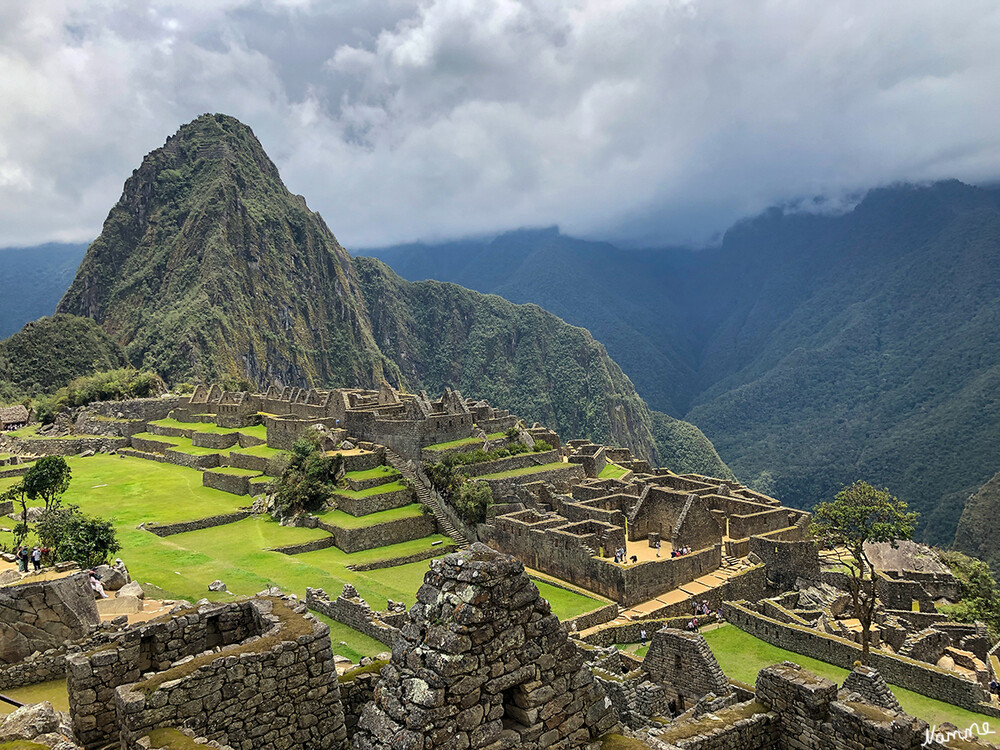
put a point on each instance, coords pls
(642, 121)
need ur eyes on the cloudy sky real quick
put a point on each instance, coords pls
(642, 121)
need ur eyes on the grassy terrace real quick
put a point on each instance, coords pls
(262, 451)
(378, 490)
(463, 442)
(742, 656)
(129, 491)
(378, 471)
(525, 470)
(347, 521)
(258, 431)
(612, 471)
(234, 471)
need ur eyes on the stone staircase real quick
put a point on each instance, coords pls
(420, 483)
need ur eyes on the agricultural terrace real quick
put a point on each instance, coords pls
(131, 491)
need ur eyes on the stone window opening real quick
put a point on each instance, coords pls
(515, 717)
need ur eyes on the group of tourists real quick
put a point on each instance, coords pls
(680, 552)
(27, 556)
(620, 556)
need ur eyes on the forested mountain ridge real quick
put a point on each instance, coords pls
(209, 268)
(811, 349)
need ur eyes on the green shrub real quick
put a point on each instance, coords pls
(472, 501)
(308, 481)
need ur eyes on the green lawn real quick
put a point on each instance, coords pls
(612, 471)
(525, 470)
(232, 470)
(347, 521)
(378, 471)
(566, 604)
(463, 441)
(258, 431)
(742, 656)
(380, 489)
(262, 451)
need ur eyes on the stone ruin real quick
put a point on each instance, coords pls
(483, 663)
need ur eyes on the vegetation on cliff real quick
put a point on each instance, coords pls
(48, 353)
(979, 526)
(209, 269)
(810, 349)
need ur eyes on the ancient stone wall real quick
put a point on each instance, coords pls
(363, 506)
(520, 461)
(87, 424)
(234, 484)
(353, 611)
(923, 678)
(64, 446)
(696, 526)
(38, 667)
(682, 662)
(787, 561)
(145, 409)
(481, 659)
(382, 534)
(561, 477)
(39, 615)
(276, 691)
(169, 529)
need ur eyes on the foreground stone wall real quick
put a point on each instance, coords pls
(684, 664)
(37, 616)
(278, 691)
(481, 660)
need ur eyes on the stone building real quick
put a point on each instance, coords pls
(483, 663)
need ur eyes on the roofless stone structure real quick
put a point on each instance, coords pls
(483, 663)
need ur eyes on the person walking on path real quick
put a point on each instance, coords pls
(36, 558)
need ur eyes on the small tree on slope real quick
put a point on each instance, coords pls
(859, 515)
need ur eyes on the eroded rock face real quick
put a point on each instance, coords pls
(36, 616)
(482, 662)
(39, 723)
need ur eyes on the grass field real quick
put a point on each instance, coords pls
(380, 489)
(130, 491)
(347, 521)
(525, 470)
(612, 471)
(742, 656)
(463, 441)
(378, 471)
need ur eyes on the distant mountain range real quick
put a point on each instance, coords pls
(35, 279)
(812, 350)
(208, 268)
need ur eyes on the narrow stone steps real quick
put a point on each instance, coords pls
(426, 497)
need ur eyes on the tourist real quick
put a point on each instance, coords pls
(692, 623)
(995, 689)
(642, 637)
(718, 614)
(96, 585)
(23, 555)
(657, 547)
(36, 558)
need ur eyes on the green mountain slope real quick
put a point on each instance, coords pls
(979, 526)
(208, 267)
(812, 350)
(50, 352)
(37, 278)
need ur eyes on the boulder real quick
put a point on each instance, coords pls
(216, 586)
(29, 721)
(132, 588)
(114, 576)
(9, 576)
(87, 453)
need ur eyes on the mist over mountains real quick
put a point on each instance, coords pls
(812, 350)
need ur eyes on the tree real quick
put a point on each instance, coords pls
(472, 500)
(860, 515)
(87, 540)
(308, 480)
(980, 599)
(16, 494)
(47, 479)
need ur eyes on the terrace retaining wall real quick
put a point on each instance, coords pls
(381, 534)
(169, 529)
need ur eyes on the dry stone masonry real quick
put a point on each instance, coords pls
(483, 663)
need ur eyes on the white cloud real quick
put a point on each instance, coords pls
(640, 120)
